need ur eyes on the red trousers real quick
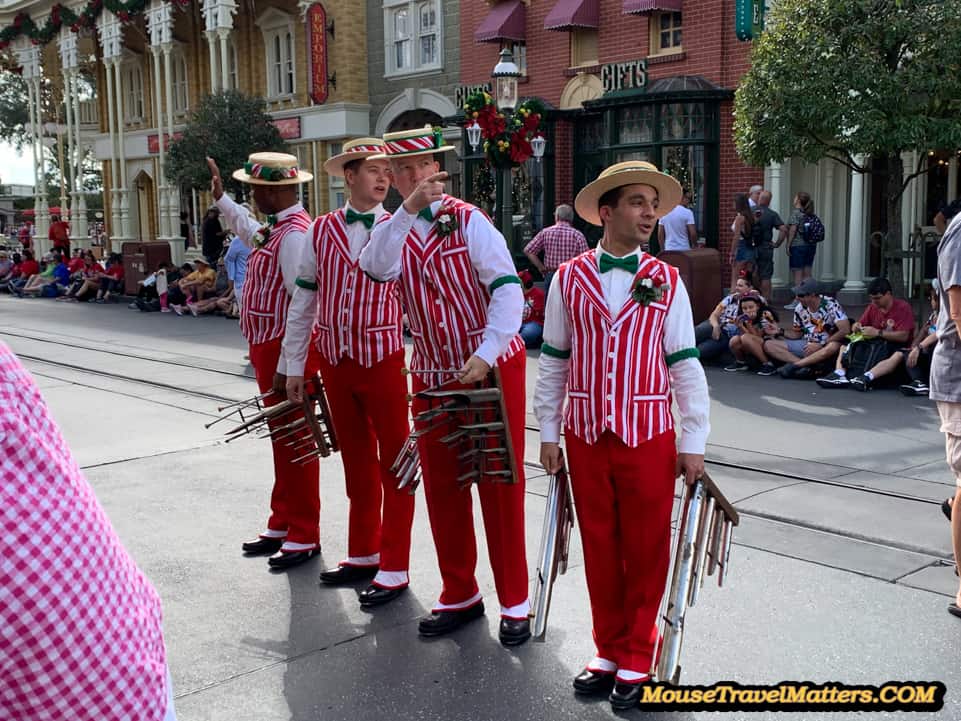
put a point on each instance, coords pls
(502, 505)
(369, 410)
(295, 500)
(624, 498)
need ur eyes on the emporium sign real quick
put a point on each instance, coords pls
(289, 127)
(317, 44)
(631, 75)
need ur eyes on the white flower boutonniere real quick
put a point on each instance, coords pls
(651, 289)
(446, 222)
(261, 237)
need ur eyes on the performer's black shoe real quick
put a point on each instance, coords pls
(378, 596)
(594, 682)
(345, 573)
(441, 622)
(514, 631)
(262, 546)
(294, 558)
(626, 695)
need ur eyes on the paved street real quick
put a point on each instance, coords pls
(844, 580)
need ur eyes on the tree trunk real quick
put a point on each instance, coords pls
(892, 197)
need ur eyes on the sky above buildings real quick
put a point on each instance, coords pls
(15, 168)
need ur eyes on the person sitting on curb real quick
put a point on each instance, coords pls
(714, 335)
(532, 322)
(820, 328)
(755, 323)
(917, 361)
(886, 319)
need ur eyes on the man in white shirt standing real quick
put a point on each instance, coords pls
(677, 230)
(619, 343)
(293, 528)
(361, 346)
(464, 303)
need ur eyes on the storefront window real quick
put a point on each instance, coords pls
(635, 124)
(590, 134)
(685, 121)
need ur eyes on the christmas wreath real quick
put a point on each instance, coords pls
(507, 141)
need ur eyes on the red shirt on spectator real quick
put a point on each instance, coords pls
(534, 302)
(28, 268)
(898, 317)
(24, 235)
(59, 234)
(75, 265)
(92, 270)
(115, 271)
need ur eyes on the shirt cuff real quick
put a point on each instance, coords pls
(693, 442)
(295, 368)
(487, 352)
(551, 432)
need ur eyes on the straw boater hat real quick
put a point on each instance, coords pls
(408, 143)
(359, 149)
(631, 172)
(272, 169)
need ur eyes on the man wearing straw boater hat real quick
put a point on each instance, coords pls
(618, 343)
(293, 529)
(464, 304)
(361, 346)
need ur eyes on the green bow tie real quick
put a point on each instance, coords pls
(609, 262)
(366, 218)
(271, 220)
(427, 214)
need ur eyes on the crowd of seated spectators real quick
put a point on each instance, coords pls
(882, 348)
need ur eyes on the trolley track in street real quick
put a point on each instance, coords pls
(795, 477)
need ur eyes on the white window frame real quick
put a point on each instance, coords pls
(414, 37)
(656, 48)
(280, 54)
(233, 81)
(134, 107)
(579, 38)
(336, 187)
(519, 51)
(179, 83)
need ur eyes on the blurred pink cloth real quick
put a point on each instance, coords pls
(80, 625)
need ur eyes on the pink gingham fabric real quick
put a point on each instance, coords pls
(80, 625)
(560, 242)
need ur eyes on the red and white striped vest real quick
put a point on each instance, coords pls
(618, 377)
(356, 316)
(445, 301)
(264, 311)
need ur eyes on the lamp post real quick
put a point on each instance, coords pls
(505, 77)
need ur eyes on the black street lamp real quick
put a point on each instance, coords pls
(505, 77)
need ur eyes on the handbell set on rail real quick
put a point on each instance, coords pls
(304, 426)
(702, 546)
(469, 420)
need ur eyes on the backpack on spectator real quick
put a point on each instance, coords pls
(864, 354)
(812, 229)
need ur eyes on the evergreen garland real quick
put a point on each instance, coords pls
(61, 15)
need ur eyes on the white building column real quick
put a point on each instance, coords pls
(123, 193)
(28, 57)
(173, 192)
(43, 215)
(68, 65)
(776, 182)
(857, 242)
(160, 26)
(218, 22)
(828, 270)
(111, 42)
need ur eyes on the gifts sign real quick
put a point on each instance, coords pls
(317, 41)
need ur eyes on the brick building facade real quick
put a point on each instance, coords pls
(647, 79)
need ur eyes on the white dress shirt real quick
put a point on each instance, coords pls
(688, 382)
(488, 252)
(303, 305)
(245, 226)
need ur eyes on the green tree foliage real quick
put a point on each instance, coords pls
(842, 78)
(227, 126)
(14, 110)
